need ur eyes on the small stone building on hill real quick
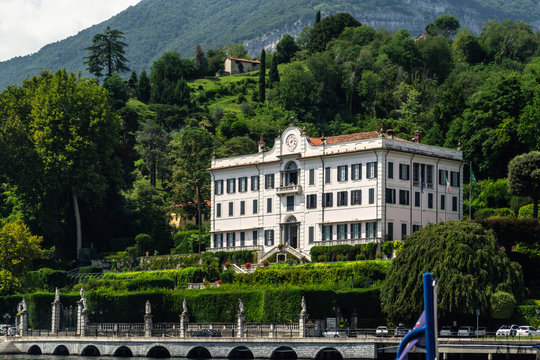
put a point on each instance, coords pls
(239, 66)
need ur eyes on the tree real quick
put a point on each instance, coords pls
(152, 143)
(236, 51)
(445, 25)
(329, 28)
(273, 74)
(465, 259)
(191, 154)
(167, 77)
(200, 62)
(238, 145)
(143, 88)
(524, 177)
(107, 53)
(133, 81)
(18, 247)
(318, 17)
(508, 39)
(216, 61)
(262, 77)
(286, 48)
(467, 48)
(117, 91)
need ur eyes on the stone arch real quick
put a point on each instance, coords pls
(240, 352)
(158, 352)
(61, 350)
(34, 350)
(90, 350)
(199, 352)
(284, 353)
(291, 166)
(123, 351)
(328, 354)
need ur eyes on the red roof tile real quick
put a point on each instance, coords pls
(349, 137)
(245, 60)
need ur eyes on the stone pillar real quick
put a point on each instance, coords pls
(241, 319)
(302, 319)
(490, 356)
(24, 323)
(184, 319)
(56, 307)
(148, 320)
(272, 330)
(82, 315)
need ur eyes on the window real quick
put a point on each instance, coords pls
(269, 181)
(242, 238)
(371, 170)
(255, 183)
(391, 196)
(390, 170)
(231, 208)
(269, 205)
(231, 186)
(242, 207)
(311, 201)
(327, 232)
(429, 175)
(454, 203)
(404, 197)
(218, 210)
(417, 198)
(430, 201)
(443, 200)
(311, 176)
(342, 232)
(403, 231)
(255, 237)
(218, 240)
(415, 228)
(290, 203)
(255, 206)
(356, 197)
(404, 172)
(443, 174)
(230, 239)
(327, 175)
(268, 237)
(328, 199)
(356, 171)
(390, 233)
(342, 198)
(416, 173)
(371, 229)
(311, 232)
(356, 230)
(371, 196)
(342, 173)
(242, 184)
(218, 187)
(454, 178)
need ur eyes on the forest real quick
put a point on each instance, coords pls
(101, 164)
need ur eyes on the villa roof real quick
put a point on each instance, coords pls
(245, 60)
(350, 137)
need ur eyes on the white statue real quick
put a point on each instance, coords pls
(148, 307)
(19, 307)
(240, 306)
(184, 306)
(82, 293)
(57, 295)
(303, 304)
(23, 305)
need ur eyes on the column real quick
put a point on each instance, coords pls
(302, 319)
(24, 323)
(241, 319)
(184, 319)
(148, 320)
(82, 317)
(56, 307)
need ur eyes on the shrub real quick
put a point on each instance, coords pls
(90, 270)
(44, 279)
(526, 211)
(502, 305)
(360, 257)
(488, 212)
(387, 248)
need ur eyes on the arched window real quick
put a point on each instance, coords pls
(290, 175)
(291, 166)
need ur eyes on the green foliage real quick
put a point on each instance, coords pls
(45, 279)
(466, 260)
(107, 53)
(186, 242)
(286, 48)
(168, 76)
(526, 314)
(524, 177)
(502, 305)
(511, 231)
(8, 283)
(18, 248)
(262, 78)
(526, 211)
(387, 248)
(489, 212)
(445, 25)
(329, 28)
(90, 269)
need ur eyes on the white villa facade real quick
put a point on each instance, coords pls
(347, 189)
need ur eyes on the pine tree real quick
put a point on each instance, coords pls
(107, 53)
(262, 77)
(273, 74)
(143, 87)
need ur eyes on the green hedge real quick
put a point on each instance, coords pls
(212, 305)
(90, 270)
(44, 279)
(179, 278)
(343, 252)
(526, 315)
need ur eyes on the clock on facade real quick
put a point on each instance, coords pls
(291, 142)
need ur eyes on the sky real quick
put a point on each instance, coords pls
(28, 25)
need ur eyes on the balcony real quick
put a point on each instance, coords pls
(290, 189)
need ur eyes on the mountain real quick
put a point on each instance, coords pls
(155, 26)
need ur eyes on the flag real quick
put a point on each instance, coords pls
(447, 182)
(473, 179)
(419, 341)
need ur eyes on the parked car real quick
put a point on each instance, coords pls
(480, 332)
(401, 330)
(207, 333)
(465, 331)
(332, 333)
(381, 331)
(507, 330)
(446, 331)
(526, 330)
(538, 331)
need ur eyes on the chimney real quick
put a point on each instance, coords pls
(261, 143)
(390, 133)
(417, 137)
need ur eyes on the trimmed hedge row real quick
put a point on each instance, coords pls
(355, 274)
(212, 305)
(344, 252)
(170, 278)
(44, 279)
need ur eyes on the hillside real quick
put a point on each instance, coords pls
(154, 26)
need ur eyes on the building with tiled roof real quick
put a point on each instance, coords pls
(346, 189)
(239, 66)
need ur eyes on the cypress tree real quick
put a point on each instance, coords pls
(262, 74)
(143, 88)
(318, 17)
(273, 74)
